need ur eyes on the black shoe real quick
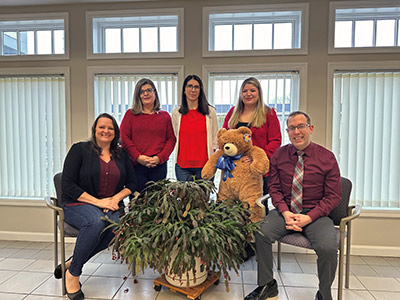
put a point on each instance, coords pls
(318, 296)
(76, 296)
(58, 271)
(249, 252)
(268, 291)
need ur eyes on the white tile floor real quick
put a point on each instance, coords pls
(26, 272)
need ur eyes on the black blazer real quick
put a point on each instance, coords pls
(81, 173)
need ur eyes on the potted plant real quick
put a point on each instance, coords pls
(172, 223)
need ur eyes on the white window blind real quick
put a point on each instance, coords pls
(33, 122)
(114, 92)
(366, 137)
(280, 91)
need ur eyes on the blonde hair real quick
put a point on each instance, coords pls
(259, 116)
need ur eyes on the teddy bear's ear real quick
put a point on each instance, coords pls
(246, 133)
(221, 132)
(244, 130)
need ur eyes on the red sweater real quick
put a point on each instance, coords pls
(268, 137)
(148, 134)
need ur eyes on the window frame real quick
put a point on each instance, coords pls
(355, 66)
(26, 201)
(303, 7)
(90, 15)
(267, 67)
(93, 71)
(358, 4)
(39, 16)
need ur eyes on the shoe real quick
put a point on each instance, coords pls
(266, 292)
(76, 296)
(249, 252)
(318, 296)
(57, 270)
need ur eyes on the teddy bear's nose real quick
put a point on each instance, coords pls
(227, 147)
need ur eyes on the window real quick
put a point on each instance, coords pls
(280, 91)
(147, 33)
(33, 122)
(29, 36)
(255, 30)
(365, 27)
(365, 135)
(113, 93)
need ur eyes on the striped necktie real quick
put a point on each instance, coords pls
(297, 185)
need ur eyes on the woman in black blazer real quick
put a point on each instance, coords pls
(97, 176)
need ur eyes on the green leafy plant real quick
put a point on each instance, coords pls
(172, 216)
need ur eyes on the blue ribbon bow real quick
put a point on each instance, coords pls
(226, 165)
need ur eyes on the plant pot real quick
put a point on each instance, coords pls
(184, 281)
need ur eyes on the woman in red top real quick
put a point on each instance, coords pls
(147, 135)
(250, 111)
(195, 126)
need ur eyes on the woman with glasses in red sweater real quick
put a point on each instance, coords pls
(147, 134)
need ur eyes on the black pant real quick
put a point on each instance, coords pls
(145, 174)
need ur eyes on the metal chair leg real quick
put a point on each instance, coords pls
(55, 229)
(341, 260)
(348, 245)
(62, 240)
(279, 255)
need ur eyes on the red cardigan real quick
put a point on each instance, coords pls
(268, 137)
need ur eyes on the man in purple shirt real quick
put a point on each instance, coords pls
(321, 192)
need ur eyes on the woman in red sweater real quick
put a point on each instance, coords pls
(147, 135)
(250, 111)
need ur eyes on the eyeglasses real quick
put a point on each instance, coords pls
(148, 91)
(299, 127)
(193, 87)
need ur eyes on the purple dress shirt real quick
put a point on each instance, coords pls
(321, 182)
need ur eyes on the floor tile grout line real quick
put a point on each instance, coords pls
(120, 287)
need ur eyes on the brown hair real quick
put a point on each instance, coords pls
(137, 106)
(115, 148)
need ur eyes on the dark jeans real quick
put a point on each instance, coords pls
(91, 238)
(145, 174)
(186, 174)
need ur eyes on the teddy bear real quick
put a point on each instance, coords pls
(240, 178)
